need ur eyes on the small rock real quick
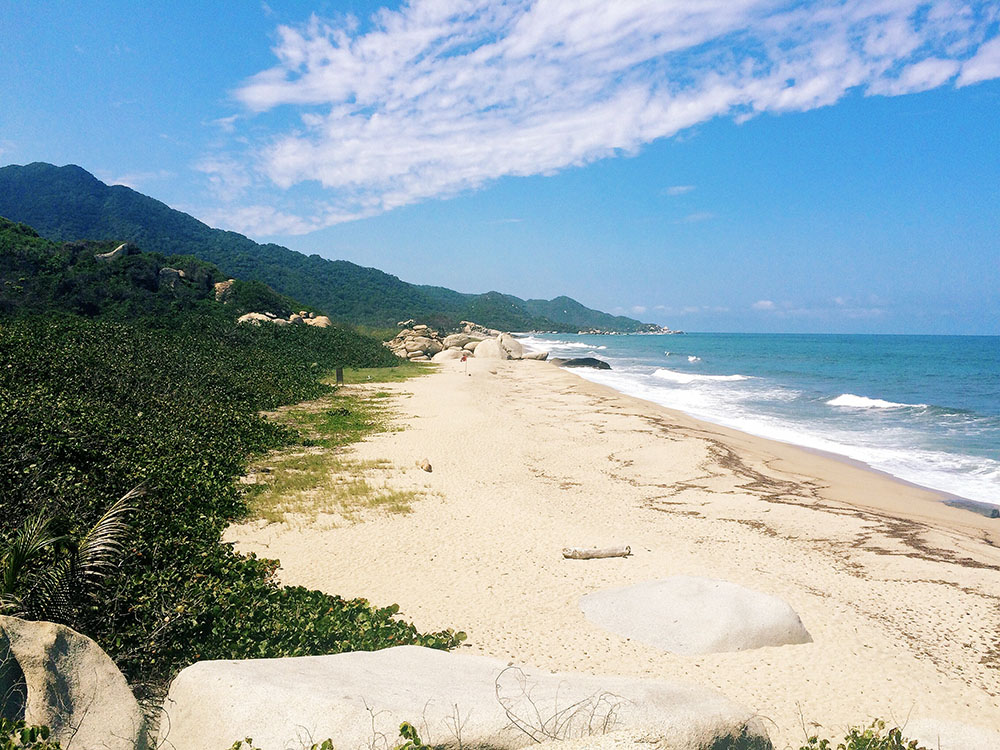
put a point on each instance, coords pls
(122, 250)
(424, 464)
(170, 277)
(599, 364)
(223, 290)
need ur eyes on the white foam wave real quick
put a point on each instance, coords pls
(693, 358)
(689, 377)
(862, 402)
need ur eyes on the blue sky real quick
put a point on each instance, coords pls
(733, 165)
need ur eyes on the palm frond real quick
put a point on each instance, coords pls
(28, 544)
(31, 589)
(100, 548)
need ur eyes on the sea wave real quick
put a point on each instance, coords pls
(690, 377)
(548, 344)
(862, 402)
(693, 358)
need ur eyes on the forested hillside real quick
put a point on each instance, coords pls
(69, 204)
(116, 375)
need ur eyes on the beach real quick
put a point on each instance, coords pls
(900, 592)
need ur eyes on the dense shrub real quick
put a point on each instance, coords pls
(90, 409)
(873, 737)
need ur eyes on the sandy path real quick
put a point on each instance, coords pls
(900, 593)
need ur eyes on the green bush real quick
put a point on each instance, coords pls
(16, 735)
(873, 737)
(90, 409)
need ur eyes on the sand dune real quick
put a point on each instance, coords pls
(900, 593)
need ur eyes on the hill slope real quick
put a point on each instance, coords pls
(68, 203)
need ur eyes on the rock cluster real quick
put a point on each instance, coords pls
(301, 318)
(421, 343)
(417, 342)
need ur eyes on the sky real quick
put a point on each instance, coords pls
(719, 165)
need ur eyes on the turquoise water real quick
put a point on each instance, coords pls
(923, 408)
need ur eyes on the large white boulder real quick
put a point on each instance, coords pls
(510, 345)
(490, 349)
(950, 735)
(51, 675)
(447, 355)
(359, 699)
(693, 615)
(457, 339)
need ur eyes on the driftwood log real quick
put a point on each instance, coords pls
(580, 553)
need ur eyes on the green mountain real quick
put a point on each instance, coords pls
(68, 203)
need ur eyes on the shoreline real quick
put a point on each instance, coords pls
(899, 591)
(807, 435)
(946, 499)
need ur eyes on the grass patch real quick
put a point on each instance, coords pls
(301, 487)
(312, 479)
(403, 371)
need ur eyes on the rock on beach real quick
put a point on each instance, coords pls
(451, 698)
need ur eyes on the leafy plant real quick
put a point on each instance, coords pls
(247, 744)
(16, 735)
(42, 574)
(873, 737)
(411, 740)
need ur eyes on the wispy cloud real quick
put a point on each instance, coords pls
(840, 307)
(443, 96)
(674, 190)
(697, 217)
(138, 180)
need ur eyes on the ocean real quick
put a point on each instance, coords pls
(925, 409)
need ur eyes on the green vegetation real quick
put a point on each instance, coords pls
(108, 383)
(400, 372)
(16, 735)
(305, 480)
(873, 737)
(67, 203)
(38, 276)
(46, 576)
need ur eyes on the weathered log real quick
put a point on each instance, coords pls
(580, 553)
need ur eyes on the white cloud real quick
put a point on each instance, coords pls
(259, 221)
(763, 304)
(443, 96)
(697, 217)
(674, 190)
(638, 309)
(225, 124)
(136, 180)
(921, 76)
(227, 177)
(984, 66)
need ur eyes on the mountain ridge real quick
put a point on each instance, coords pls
(68, 203)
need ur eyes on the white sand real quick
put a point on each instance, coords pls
(900, 593)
